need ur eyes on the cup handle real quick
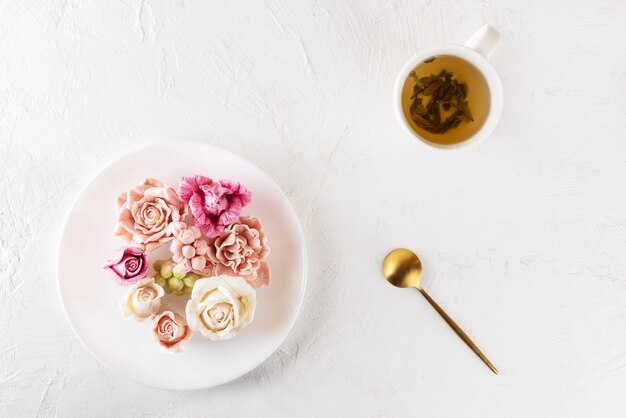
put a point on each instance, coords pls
(484, 40)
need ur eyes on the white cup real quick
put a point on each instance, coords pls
(476, 51)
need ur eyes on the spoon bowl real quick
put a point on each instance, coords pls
(403, 268)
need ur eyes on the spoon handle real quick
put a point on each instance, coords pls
(459, 331)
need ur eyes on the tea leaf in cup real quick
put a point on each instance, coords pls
(443, 92)
(436, 100)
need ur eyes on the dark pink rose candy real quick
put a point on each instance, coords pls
(127, 266)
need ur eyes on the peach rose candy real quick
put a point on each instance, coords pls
(240, 250)
(170, 332)
(144, 213)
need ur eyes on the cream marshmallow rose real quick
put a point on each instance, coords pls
(220, 306)
(143, 300)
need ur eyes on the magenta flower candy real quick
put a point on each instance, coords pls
(127, 266)
(214, 204)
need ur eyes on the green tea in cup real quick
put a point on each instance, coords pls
(445, 99)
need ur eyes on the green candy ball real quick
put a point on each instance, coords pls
(175, 283)
(178, 273)
(161, 281)
(166, 271)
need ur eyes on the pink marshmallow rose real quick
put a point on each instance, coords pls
(170, 332)
(214, 204)
(127, 266)
(144, 213)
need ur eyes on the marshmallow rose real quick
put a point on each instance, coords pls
(220, 306)
(144, 213)
(142, 301)
(170, 332)
(127, 266)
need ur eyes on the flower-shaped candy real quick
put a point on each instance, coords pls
(220, 306)
(189, 250)
(214, 204)
(143, 300)
(127, 266)
(240, 250)
(144, 213)
(170, 332)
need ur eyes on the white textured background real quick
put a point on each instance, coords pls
(523, 238)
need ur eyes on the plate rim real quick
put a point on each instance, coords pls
(63, 233)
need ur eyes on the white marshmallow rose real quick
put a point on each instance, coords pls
(220, 306)
(143, 300)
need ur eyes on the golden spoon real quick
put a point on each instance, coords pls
(403, 268)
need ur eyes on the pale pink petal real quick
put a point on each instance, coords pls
(152, 182)
(121, 199)
(151, 246)
(221, 269)
(262, 278)
(251, 222)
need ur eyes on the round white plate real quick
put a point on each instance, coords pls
(91, 298)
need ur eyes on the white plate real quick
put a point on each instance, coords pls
(90, 298)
